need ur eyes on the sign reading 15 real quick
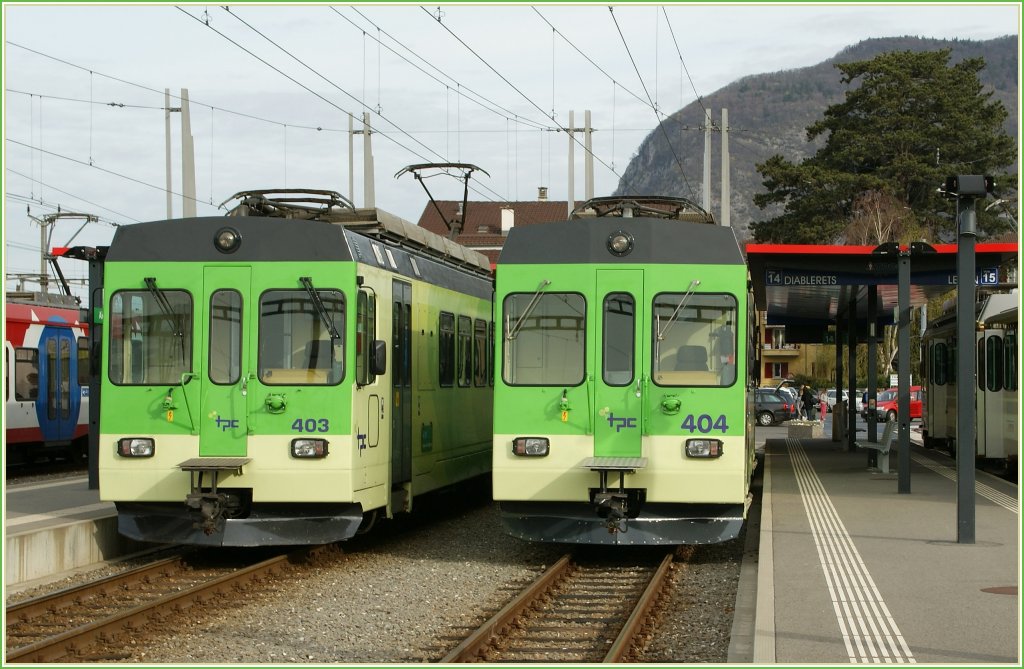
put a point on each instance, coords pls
(704, 423)
(311, 425)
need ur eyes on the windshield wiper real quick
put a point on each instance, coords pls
(173, 319)
(682, 302)
(513, 331)
(307, 283)
(165, 306)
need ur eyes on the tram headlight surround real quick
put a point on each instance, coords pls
(136, 447)
(620, 243)
(703, 448)
(537, 447)
(307, 448)
(227, 240)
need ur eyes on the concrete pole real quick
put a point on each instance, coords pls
(167, 148)
(706, 190)
(588, 159)
(726, 190)
(572, 161)
(188, 161)
(368, 194)
(351, 162)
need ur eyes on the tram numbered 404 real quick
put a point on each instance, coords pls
(622, 412)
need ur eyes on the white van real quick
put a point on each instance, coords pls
(830, 398)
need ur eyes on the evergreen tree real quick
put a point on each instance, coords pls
(908, 121)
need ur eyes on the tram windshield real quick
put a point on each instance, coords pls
(545, 336)
(150, 337)
(694, 339)
(295, 340)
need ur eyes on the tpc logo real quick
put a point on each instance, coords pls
(619, 423)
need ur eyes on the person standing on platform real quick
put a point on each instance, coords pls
(807, 398)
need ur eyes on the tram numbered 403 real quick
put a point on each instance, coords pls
(622, 412)
(284, 374)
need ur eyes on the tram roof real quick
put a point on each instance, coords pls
(810, 285)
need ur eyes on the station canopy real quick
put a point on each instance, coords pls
(806, 287)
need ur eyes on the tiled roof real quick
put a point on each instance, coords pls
(483, 223)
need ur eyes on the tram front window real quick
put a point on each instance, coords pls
(296, 347)
(545, 335)
(150, 337)
(694, 339)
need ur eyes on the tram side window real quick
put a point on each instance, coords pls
(479, 353)
(490, 353)
(225, 337)
(939, 358)
(65, 379)
(83, 361)
(295, 343)
(366, 333)
(446, 354)
(694, 339)
(26, 374)
(981, 370)
(1010, 361)
(150, 337)
(544, 339)
(994, 363)
(465, 341)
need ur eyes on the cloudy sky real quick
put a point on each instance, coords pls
(272, 87)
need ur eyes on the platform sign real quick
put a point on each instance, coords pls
(985, 276)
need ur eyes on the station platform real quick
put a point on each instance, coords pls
(851, 571)
(55, 527)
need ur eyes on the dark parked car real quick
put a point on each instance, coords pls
(771, 406)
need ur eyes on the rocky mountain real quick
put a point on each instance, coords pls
(769, 114)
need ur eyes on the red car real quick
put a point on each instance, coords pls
(886, 408)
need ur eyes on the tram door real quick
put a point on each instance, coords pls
(619, 360)
(56, 406)
(401, 382)
(224, 384)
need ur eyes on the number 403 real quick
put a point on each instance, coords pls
(311, 425)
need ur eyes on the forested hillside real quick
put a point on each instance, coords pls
(769, 114)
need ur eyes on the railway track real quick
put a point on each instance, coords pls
(574, 612)
(97, 621)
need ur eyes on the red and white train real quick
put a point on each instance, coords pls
(46, 382)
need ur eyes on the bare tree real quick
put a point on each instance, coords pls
(879, 217)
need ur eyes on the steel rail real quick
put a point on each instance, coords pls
(33, 608)
(474, 645)
(71, 642)
(622, 644)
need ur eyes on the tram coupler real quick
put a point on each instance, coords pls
(212, 508)
(616, 506)
(209, 505)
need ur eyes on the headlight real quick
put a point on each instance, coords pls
(227, 240)
(309, 448)
(703, 448)
(531, 446)
(136, 447)
(620, 243)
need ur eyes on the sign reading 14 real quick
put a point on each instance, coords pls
(704, 423)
